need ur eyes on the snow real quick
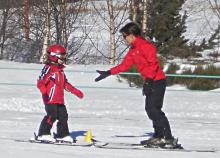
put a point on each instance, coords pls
(115, 115)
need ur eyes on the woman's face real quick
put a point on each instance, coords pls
(128, 38)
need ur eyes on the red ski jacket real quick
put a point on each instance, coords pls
(52, 82)
(142, 54)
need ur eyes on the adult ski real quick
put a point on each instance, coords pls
(130, 146)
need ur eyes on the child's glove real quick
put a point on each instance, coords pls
(102, 75)
(45, 98)
(148, 87)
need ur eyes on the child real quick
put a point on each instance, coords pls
(51, 84)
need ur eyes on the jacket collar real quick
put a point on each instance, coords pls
(56, 66)
(138, 40)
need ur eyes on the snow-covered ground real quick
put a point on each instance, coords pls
(115, 115)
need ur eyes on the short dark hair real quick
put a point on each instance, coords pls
(131, 28)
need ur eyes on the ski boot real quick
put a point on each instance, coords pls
(45, 139)
(67, 139)
(171, 144)
(156, 142)
(153, 142)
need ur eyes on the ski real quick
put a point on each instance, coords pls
(116, 145)
(57, 142)
(122, 146)
(77, 143)
(129, 146)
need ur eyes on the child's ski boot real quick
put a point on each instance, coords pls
(45, 139)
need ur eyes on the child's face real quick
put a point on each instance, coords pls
(61, 62)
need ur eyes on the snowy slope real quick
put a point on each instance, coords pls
(115, 115)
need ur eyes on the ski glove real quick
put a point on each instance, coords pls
(45, 98)
(102, 75)
(148, 87)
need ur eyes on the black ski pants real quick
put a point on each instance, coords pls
(153, 108)
(55, 112)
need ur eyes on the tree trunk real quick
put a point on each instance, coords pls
(26, 19)
(144, 19)
(3, 32)
(133, 10)
(63, 17)
(47, 35)
(112, 32)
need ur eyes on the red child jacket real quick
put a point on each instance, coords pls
(52, 82)
(142, 54)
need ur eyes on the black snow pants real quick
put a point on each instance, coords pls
(55, 112)
(153, 108)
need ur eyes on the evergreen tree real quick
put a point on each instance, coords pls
(212, 42)
(165, 24)
(215, 38)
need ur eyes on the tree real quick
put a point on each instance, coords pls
(166, 25)
(47, 34)
(215, 38)
(113, 15)
(144, 18)
(42, 23)
(162, 22)
(210, 40)
(8, 31)
(133, 10)
(215, 5)
(139, 13)
(26, 18)
(3, 31)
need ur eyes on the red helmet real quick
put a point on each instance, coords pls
(55, 52)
